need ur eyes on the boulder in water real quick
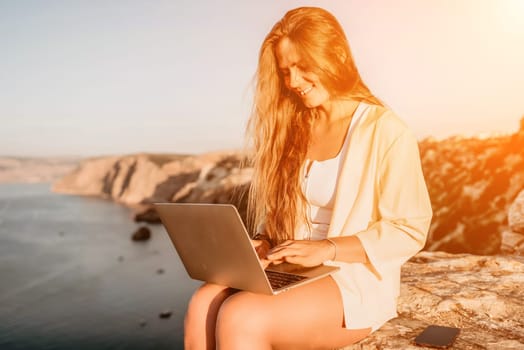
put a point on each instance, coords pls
(142, 234)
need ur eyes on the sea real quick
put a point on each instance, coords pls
(72, 278)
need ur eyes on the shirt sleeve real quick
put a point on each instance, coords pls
(404, 207)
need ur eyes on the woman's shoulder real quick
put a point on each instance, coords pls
(383, 122)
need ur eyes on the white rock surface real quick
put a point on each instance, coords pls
(481, 295)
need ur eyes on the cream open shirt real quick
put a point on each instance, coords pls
(381, 197)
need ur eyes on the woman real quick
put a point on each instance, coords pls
(337, 180)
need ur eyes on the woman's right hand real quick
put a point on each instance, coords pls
(262, 247)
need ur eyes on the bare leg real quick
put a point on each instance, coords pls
(200, 321)
(306, 317)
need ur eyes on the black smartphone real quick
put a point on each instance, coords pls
(437, 336)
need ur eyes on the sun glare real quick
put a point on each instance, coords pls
(512, 15)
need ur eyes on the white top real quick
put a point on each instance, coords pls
(319, 185)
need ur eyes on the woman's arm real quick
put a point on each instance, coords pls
(404, 208)
(313, 253)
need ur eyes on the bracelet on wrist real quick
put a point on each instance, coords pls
(335, 246)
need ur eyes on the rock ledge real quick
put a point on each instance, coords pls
(481, 295)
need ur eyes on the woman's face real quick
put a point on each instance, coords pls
(297, 78)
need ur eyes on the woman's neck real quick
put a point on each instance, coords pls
(334, 110)
(329, 130)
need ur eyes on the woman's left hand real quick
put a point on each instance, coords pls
(306, 253)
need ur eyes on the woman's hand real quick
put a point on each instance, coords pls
(306, 253)
(262, 247)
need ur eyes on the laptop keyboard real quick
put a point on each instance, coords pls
(282, 279)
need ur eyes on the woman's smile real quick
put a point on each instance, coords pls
(305, 91)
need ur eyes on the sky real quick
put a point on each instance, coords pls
(98, 77)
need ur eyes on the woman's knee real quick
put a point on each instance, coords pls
(243, 314)
(205, 300)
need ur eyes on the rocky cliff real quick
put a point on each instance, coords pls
(472, 183)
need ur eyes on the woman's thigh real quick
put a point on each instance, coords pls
(309, 316)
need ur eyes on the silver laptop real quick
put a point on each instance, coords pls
(215, 247)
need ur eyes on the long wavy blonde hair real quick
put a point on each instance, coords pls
(280, 125)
